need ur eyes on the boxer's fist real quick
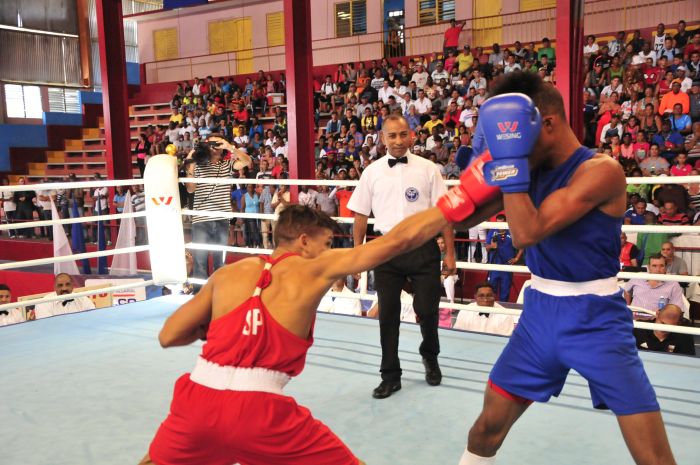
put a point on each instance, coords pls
(511, 125)
(461, 201)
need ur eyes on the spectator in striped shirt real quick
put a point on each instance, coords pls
(654, 295)
(671, 216)
(210, 163)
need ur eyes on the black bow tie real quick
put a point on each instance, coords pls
(4, 312)
(394, 161)
(66, 302)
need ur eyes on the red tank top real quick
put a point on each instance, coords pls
(250, 337)
(625, 257)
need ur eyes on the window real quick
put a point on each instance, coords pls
(275, 29)
(63, 100)
(435, 11)
(23, 101)
(350, 18)
(165, 44)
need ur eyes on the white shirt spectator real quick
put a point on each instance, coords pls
(605, 129)
(608, 90)
(591, 49)
(394, 193)
(651, 55)
(421, 79)
(45, 204)
(405, 104)
(342, 305)
(241, 141)
(495, 323)
(328, 88)
(78, 304)
(100, 195)
(466, 116)
(423, 105)
(510, 68)
(8, 202)
(386, 92)
(659, 41)
(14, 315)
(308, 198)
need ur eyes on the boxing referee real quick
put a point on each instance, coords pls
(394, 187)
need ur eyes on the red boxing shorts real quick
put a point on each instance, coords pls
(222, 427)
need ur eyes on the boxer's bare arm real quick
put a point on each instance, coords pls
(411, 233)
(189, 322)
(597, 183)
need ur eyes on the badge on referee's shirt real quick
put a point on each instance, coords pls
(412, 194)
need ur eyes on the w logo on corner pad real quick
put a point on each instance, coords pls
(509, 130)
(161, 200)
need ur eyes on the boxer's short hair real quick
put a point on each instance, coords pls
(296, 220)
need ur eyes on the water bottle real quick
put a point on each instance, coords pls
(663, 300)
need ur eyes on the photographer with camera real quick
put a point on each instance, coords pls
(209, 162)
(499, 245)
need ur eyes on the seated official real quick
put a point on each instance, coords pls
(664, 341)
(491, 323)
(11, 315)
(63, 285)
(407, 313)
(651, 294)
(342, 305)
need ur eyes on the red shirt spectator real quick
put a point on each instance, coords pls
(343, 195)
(452, 34)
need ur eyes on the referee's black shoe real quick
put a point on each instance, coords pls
(433, 375)
(385, 389)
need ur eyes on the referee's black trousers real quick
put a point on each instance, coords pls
(422, 267)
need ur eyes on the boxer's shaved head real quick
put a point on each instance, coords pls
(546, 97)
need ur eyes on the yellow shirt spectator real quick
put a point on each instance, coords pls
(177, 118)
(431, 124)
(465, 60)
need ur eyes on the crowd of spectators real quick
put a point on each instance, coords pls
(641, 106)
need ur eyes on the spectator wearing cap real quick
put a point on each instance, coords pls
(673, 97)
(686, 82)
(694, 102)
(608, 129)
(670, 142)
(434, 121)
(465, 59)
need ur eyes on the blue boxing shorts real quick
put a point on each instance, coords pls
(589, 333)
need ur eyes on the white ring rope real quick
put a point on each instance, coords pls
(68, 258)
(454, 182)
(70, 185)
(73, 295)
(80, 219)
(503, 310)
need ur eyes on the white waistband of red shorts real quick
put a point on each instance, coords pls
(227, 378)
(601, 287)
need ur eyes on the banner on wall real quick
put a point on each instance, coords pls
(169, 4)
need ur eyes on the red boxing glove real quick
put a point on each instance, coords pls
(461, 201)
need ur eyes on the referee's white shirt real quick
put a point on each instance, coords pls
(394, 193)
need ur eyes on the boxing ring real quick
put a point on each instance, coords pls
(92, 387)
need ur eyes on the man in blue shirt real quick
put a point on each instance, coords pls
(499, 244)
(670, 142)
(679, 122)
(635, 215)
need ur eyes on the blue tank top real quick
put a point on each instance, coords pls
(585, 250)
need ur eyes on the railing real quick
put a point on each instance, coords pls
(601, 16)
